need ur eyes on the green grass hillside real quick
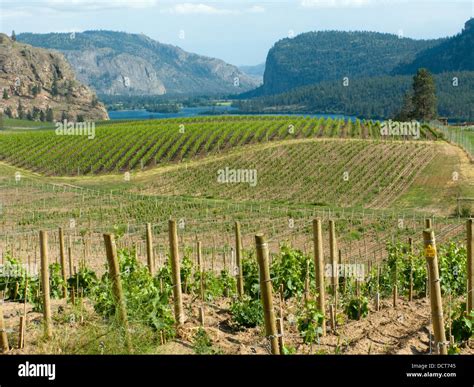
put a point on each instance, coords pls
(317, 171)
(125, 146)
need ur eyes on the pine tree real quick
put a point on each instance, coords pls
(21, 112)
(36, 90)
(424, 96)
(406, 114)
(54, 86)
(5, 94)
(13, 36)
(49, 115)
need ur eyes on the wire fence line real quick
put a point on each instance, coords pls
(463, 136)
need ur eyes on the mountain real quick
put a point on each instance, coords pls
(255, 71)
(36, 83)
(119, 63)
(314, 57)
(454, 54)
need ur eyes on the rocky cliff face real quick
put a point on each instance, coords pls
(38, 84)
(118, 63)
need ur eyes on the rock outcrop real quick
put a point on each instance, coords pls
(39, 84)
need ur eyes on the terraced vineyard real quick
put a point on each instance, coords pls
(134, 145)
(318, 171)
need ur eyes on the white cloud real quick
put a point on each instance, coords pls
(255, 9)
(190, 8)
(334, 3)
(203, 9)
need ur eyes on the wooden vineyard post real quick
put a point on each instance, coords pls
(201, 271)
(333, 256)
(306, 283)
(62, 257)
(428, 226)
(332, 312)
(410, 252)
(149, 249)
(238, 258)
(377, 294)
(69, 254)
(201, 316)
(4, 347)
(428, 223)
(470, 265)
(281, 342)
(266, 292)
(435, 291)
(319, 270)
(114, 274)
(395, 295)
(21, 337)
(45, 284)
(175, 267)
(342, 280)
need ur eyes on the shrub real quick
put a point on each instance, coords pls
(357, 308)
(310, 322)
(247, 313)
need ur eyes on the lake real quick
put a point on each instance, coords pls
(197, 111)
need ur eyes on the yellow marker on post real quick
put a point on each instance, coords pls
(430, 251)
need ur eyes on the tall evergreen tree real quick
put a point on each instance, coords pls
(406, 114)
(21, 112)
(425, 105)
(13, 36)
(49, 115)
(54, 86)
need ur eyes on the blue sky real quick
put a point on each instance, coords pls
(239, 32)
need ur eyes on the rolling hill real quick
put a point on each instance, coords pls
(314, 57)
(454, 54)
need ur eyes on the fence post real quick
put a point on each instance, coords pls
(45, 283)
(201, 271)
(238, 258)
(435, 291)
(3, 333)
(21, 335)
(319, 269)
(410, 252)
(175, 267)
(149, 249)
(333, 256)
(114, 274)
(470, 264)
(62, 257)
(281, 342)
(266, 292)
